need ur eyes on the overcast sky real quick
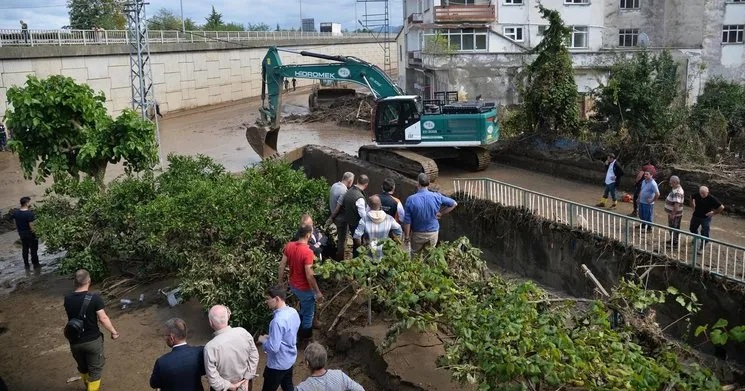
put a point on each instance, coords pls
(52, 14)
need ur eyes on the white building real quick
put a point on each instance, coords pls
(489, 41)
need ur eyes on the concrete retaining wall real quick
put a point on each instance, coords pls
(185, 75)
(551, 254)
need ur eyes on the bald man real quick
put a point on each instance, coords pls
(375, 226)
(704, 207)
(231, 357)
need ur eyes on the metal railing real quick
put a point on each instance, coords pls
(710, 255)
(10, 37)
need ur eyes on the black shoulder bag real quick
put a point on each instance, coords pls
(76, 326)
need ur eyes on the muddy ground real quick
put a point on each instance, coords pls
(34, 355)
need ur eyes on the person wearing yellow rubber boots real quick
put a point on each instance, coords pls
(86, 342)
(613, 174)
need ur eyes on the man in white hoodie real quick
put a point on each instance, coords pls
(376, 226)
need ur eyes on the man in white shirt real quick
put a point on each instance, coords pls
(231, 357)
(613, 174)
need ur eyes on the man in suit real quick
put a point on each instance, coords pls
(182, 368)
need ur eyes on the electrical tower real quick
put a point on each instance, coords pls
(140, 71)
(376, 20)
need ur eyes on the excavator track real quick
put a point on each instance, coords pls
(407, 163)
(475, 159)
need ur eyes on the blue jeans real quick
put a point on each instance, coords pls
(610, 188)
(646, 212)
(307, 306)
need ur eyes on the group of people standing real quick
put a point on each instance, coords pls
(647, 191)
(375, 218)
(229, 360)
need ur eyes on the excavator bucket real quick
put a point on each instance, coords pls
(263, 140)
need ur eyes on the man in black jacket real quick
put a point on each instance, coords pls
(182, 368)
(613, 174)
(353, 206)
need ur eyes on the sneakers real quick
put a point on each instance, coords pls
(600, 205)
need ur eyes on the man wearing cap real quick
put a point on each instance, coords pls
(422, 211)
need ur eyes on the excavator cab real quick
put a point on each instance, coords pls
(396, 120)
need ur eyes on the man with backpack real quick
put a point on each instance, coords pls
(84, 311)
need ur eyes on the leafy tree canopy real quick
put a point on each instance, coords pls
(214, 21)
(641, 96)
(550, 91)
(165, 19)
(86, 14)
(61, 129)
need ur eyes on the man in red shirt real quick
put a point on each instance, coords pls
(299, 257)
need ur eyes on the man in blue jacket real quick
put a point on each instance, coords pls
(183, 367)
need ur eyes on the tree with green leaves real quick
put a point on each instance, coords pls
(549, 91)
(258, 27)
(62, 129)
(214, 21)
(165, 19)
(719, 114)
(86, 14)
(641, 97)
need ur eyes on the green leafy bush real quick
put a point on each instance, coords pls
(505, 335)
(191, 216)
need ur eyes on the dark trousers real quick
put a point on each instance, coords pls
(637, 190)
(30, 242)
(674, 222)
(274, 378)
(89, 357)
(701, 222)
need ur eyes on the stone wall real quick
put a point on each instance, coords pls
(185, 75)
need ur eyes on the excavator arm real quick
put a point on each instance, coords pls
(263, 136)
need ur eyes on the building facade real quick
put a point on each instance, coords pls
(479, 45)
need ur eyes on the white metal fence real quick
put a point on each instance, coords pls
(709, 255)
(10, 37)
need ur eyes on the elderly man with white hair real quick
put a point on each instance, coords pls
(231, 357)
(704, 207)
(674, 208)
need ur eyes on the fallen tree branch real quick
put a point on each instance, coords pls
(344, 309)
(328, 303)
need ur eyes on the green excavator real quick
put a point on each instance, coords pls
(408, 134)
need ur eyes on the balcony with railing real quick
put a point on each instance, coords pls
(484, 13)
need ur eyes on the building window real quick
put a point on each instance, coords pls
(732, 33)
(736, 1)
(629, 4)
(542, 30)
(462, 40)
(576, 1)
(578, 38)
(628, 37)
(459, 2)
(514, 33)
(513, 2)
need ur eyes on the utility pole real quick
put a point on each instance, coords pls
(140, 70)
(183, 22)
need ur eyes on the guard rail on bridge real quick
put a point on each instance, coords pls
(713, 256)
(118, 37)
